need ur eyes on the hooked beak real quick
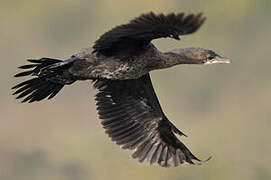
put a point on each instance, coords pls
(219, 60)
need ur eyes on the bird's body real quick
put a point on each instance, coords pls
(119, 64)
(115, 68)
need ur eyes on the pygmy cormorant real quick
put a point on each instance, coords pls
(119, 64)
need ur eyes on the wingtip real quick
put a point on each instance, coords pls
(34, 60)
(200, 162)
(25, 73)
(14, 87)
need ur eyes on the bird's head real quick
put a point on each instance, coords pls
(200, 56)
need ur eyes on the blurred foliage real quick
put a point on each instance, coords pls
(225, 109)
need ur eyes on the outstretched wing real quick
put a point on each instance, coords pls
(132, 117)
(141, 30)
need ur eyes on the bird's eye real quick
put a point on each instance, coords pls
(210, 57)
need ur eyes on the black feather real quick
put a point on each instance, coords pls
(25, 82)
(47, 83)
(133, 118)
(28, 66)
(25, 73)
(140, 31)
(55, 91)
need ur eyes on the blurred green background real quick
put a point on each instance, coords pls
(224, 109)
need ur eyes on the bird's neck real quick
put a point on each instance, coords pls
(172, 58)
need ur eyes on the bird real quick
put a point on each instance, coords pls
(119, 65)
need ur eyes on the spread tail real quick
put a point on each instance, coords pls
(51, 76)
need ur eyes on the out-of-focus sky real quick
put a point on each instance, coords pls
(224, 109)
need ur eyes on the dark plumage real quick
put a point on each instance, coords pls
(131, 114)
(140, 31)
(119, 64)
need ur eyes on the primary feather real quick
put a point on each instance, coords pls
(140, 31)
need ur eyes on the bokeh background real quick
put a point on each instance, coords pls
(224, 109)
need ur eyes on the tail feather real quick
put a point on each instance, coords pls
(46, 84)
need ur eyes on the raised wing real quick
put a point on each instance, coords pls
(132, 117)
(141, 30)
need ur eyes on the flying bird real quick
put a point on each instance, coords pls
(119, 64)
